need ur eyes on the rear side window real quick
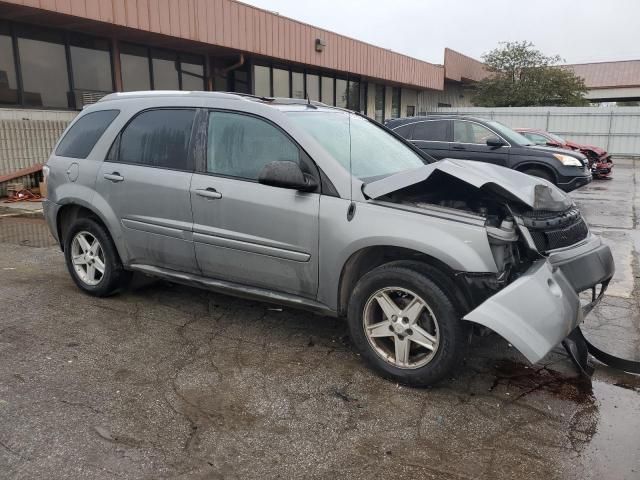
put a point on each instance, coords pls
(240, 145)
(83, 134)
(431, 131)
(158, 138)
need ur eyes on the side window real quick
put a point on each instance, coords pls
(240, 145)
(158, 138)
(469, 132)
(83, 135)
(431, 131)
(404, 131)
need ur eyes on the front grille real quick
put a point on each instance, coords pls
(563, 230)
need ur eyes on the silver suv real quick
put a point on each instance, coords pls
(319, 208)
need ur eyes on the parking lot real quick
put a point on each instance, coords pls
(166, 381)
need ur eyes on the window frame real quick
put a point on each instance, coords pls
(113, 156)
(305, 159)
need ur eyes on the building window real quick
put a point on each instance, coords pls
(326, 90)
(165, 70)
(411, 110)
(379, 103)
(191, 72)
(91, 64)
(354, 96)
(261, 81)
(8, 82)
(43, 66)
(313, 87)
(341, 93)
(241, 80)
(395, 102)
(134, 63)
(281, 83)
(297, 85)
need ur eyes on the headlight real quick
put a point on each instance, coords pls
(568, 161)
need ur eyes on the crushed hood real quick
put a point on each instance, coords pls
(509, 184)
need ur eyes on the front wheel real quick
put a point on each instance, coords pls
(405, 326)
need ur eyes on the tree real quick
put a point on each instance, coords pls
(522, 76)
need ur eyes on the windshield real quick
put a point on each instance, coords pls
(511, 136)
(556, 138)
(374, 151)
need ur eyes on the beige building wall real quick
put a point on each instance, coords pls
(454, 95)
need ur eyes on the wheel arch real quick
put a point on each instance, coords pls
(368, 258)
(522, 167)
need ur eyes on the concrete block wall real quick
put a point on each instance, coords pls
(27, 138)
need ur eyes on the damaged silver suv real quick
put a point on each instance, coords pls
(301, 204)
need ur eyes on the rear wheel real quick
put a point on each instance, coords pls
(92, 259)
(405, 326)
(540, 173)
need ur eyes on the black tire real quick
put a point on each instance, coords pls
(452, 330)
(114, 277)
(541, 173)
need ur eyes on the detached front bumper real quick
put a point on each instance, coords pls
(540, 308)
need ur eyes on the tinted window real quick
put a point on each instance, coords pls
(468, 132)
(341, 93)
(313, 87)
(158, 138)
(280, 83)
(240, 145)
(261, 81)
(379, 103)
(395, 102)
(135, 68)
(192, 71)
(326, 84)
(354, 96)
(297, 85)
(165, 72)
(8, 84)
(83, 135)
(404, 131)
(91, 62)
(434, 131)
(43, 64)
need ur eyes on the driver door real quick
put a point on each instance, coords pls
(246, 232)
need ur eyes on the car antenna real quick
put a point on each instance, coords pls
(309, 103)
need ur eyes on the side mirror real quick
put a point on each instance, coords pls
(495, 142)
(286, 174)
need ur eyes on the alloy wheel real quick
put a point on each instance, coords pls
(87, 257)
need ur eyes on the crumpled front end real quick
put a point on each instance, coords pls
(542, 306)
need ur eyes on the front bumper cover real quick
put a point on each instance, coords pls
(542, 307)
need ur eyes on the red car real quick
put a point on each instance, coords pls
(599, 160)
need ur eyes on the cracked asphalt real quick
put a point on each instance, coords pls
(166, 381)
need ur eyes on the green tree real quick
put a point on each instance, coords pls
(522, 76)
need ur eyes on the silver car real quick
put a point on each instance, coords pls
(301, 204)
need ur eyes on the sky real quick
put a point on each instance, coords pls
(579, 31)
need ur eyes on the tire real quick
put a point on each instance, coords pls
(403, 283)
(104, 256)
(540, 173)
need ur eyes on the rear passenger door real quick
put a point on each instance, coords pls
(433, 137)
(470, 143)
(145, 180)
(246, 232)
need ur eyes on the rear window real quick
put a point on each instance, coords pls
(83, 134)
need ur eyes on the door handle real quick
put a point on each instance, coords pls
(115, 177)
(211, 193)
(458, 147)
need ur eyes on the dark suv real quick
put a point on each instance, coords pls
(472, 138)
